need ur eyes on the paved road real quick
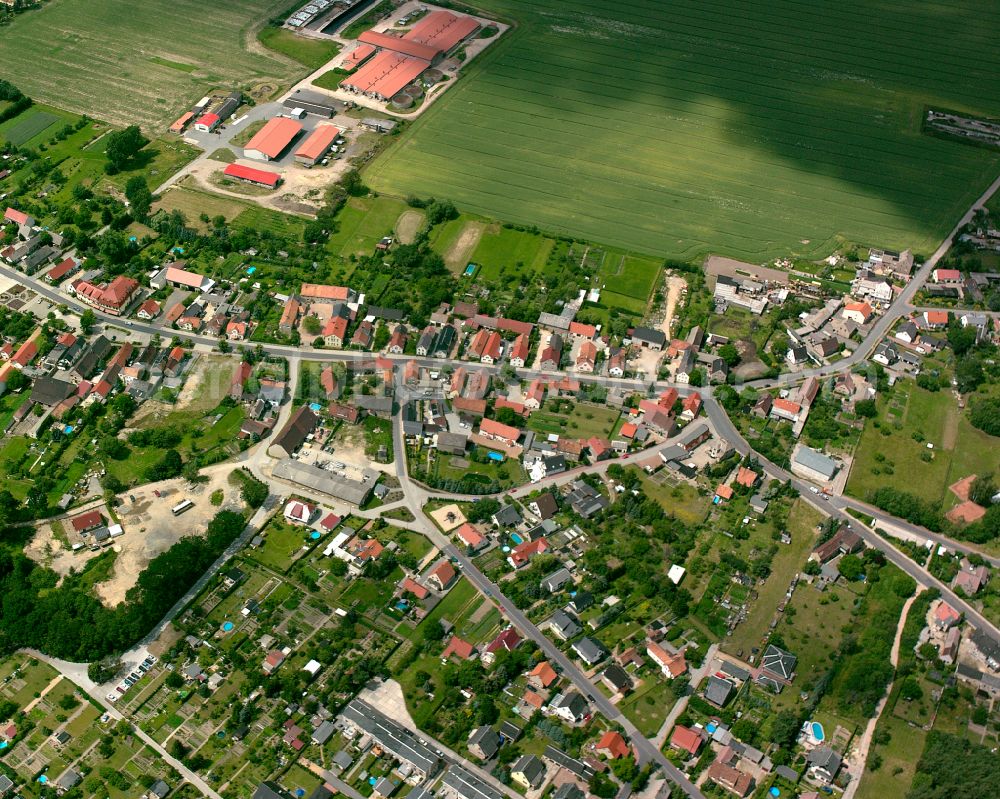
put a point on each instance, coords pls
(872, 538)
(900, 306)
(920, 534)
(416, 497)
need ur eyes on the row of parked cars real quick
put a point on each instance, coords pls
(132, 678)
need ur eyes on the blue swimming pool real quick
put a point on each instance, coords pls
(314, 535)
(817, 731)
(516, 538)
(227, 626)
(315, 406)
(496, 456)
(469, 270)
(251, 270)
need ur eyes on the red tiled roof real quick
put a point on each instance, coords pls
(470, 535)
(59, 271)
(208, 120)
(493, 428)
(15, 216)
(507, 640)
(685, 739)
(318, 142)
(456, 646)
(415, 588)
(746, 477)
(87, 521)
(544, 673)
(274, 137)
(613, 744)
(261, 176)
(724, 492)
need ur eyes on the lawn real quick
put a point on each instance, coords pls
(581, 421)
(812, 627)
(899, 760)
(453, 607)
(682, 127)
(648, 706)
(802, 521)
(143, 63)
(502, 250)
(898, 459)
(282, 543)
(312, 53)
(192, 203)
(362, 223)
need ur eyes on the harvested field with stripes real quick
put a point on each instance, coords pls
(144, 63)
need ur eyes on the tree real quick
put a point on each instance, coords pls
(983, 490)
(850, 567)
(729, 354)
(985, 415)
(312, 325)
(174, 680)
(139, 196)
(910, 690)
(865, 408)
(87, 320)
(122, 147)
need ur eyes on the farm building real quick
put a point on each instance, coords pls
(175, 275)
(206, 123)
(317, 144)
(259, 177)
(272, 139)
(310, 102)
(400, 60)
(181, 122)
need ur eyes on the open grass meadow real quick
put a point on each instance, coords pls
(676, 128)
(139, 63)
(895, 453)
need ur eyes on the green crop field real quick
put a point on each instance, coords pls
(138, 62)
(677, 127)
(26, 126)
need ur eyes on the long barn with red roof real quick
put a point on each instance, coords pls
(400, 60)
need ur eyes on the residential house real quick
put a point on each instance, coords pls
(776, 666)
(552, 354)
(907, 332)
(823, 764)
(564, 625)
(686, 740)
(731, 778)
(970, 578)
(483, 742)
(528, 772)
(858, 312)
(612, 745)
(443, 575)
(586, 358)
(590, 650)
(570, 706)
(519, 351)
(670, 665)
(397, 342)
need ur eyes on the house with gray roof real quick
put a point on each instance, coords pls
(590, 651)
(564, 624)
(484, 742)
